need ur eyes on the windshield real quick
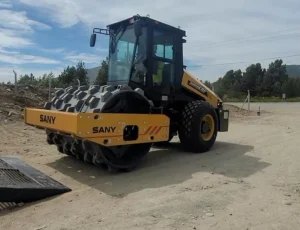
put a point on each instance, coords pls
(122, 51)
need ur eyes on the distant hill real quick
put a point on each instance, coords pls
(92, 74)
(293, 70)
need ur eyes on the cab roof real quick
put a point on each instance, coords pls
(150, 21)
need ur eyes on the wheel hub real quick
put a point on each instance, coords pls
(207, 127)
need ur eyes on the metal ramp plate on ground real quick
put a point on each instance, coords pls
(19, 182)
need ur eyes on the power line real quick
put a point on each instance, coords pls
(267, 39)
(247, 38)
(241, 62)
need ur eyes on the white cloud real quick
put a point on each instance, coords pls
(25, 59)
(16, 32)
(19, 21)
(206, 23)
(86, 58)
(66, 16)
(5, 4)
(55, 50)
(16, 29)
(38, 25)
(8, 51)
(11, 39)
(15, 57)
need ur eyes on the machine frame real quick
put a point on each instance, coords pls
(107, 129)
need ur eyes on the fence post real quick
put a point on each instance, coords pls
(49, 78)
(248, 100)
(16, 80)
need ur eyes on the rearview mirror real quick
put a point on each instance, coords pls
(93, 40)
(138, 29)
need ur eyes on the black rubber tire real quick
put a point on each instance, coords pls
(189, 131)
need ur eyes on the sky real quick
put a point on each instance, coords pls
(40, 36)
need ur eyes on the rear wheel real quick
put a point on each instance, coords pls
(198, 127)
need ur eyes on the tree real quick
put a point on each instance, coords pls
(261, 82)
(102, 76)
(54, 81)
(70, 75)
(82, 73)
(24, 80)
(32, 78)
(251, 78)
(291, 87)
(219, 87)
(208, 84)
(44, 80)
(274, 78)
(236, 89)
(230, 84)
(67, 77)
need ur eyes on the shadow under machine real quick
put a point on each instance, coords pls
(148, 99)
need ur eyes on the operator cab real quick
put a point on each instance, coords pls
(145, 53)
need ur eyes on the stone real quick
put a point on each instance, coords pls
(285, 202)
(209, 214)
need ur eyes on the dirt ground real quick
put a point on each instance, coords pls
(13, 101)
(249, 180)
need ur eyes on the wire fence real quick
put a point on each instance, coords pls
(49, 89)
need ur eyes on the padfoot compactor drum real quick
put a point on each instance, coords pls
(149, 98)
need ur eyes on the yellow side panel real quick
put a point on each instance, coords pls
(59, 121)
(192, 84)
(102, 128)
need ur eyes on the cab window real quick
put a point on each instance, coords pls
(163, 55)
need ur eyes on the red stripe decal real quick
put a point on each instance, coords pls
(149, 128)
(157, 131)
(153, 130)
